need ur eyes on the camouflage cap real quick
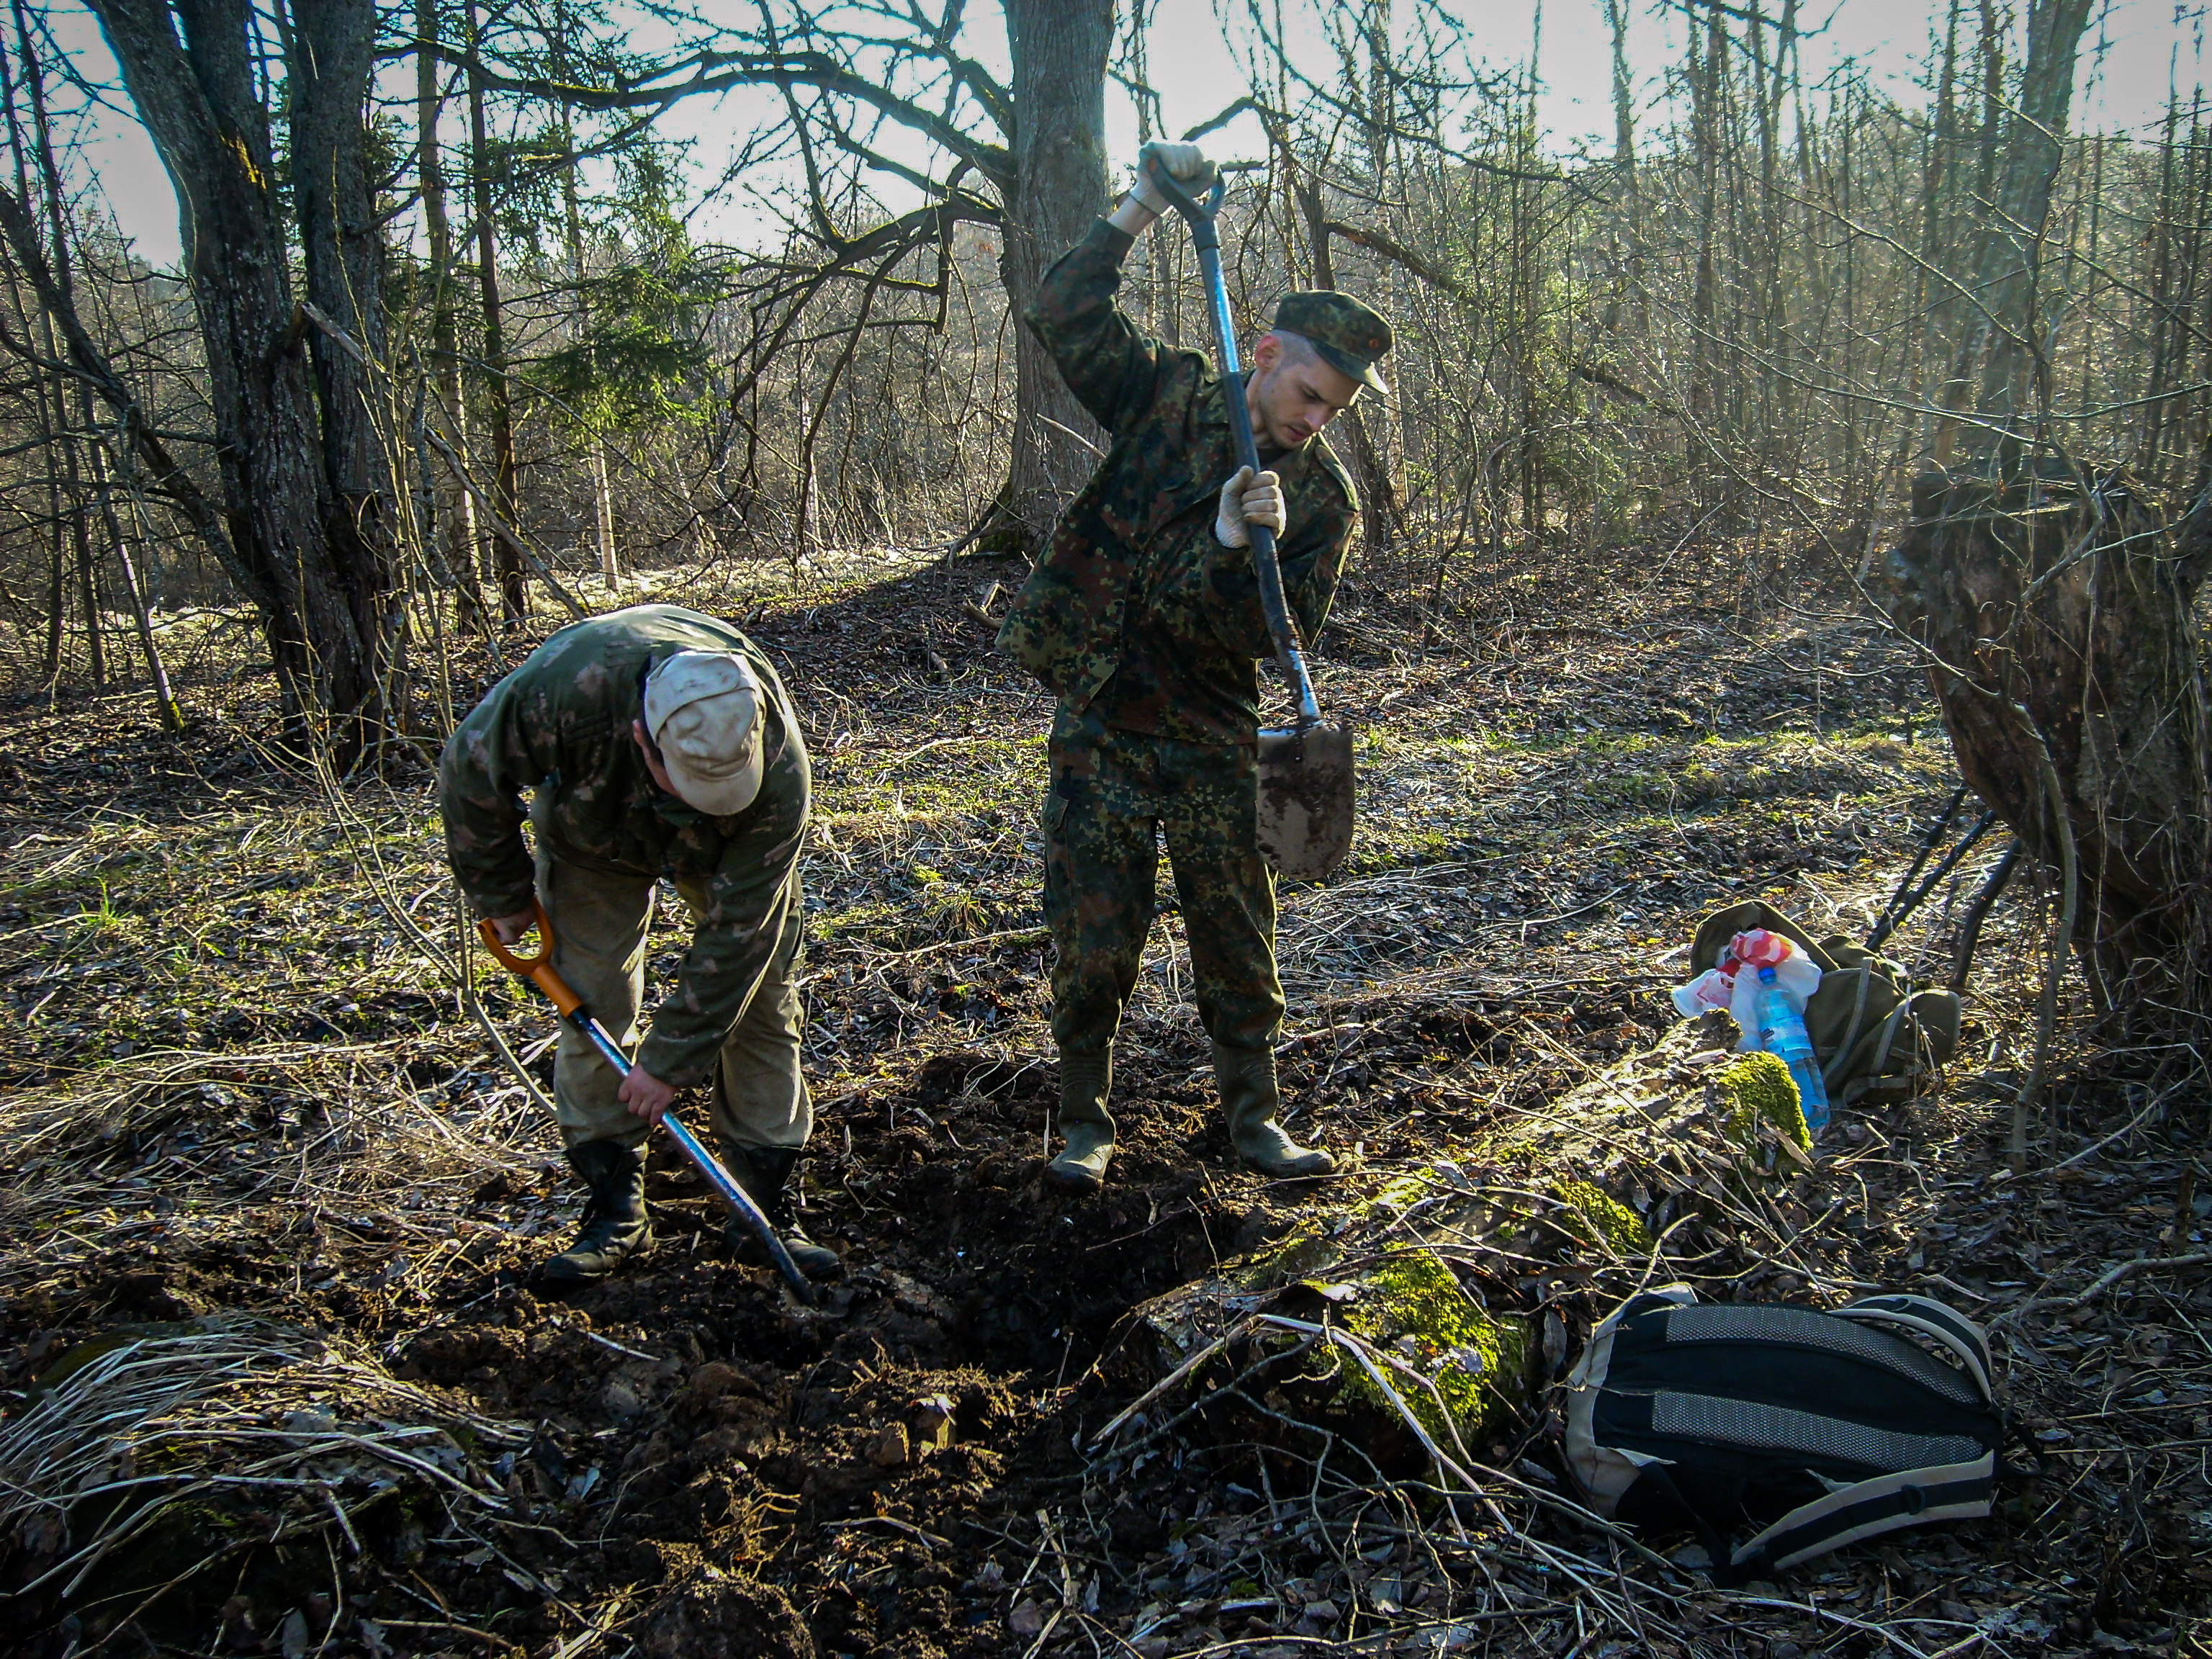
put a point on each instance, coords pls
(1349, 336)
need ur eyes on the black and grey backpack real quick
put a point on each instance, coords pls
(1817, 1429)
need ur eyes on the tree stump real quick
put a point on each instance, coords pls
(2057, 609)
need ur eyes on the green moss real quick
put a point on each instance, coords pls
(1304, 1251)
(1597, 1217)
(1411, 1307)
(1756, 1089)
(1399, 1194)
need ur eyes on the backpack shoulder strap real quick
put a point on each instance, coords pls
(1842, 1048)
(1957, 1335)
(1948, 1492)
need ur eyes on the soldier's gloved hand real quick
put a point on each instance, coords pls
(1186, 163)
(1249, 498)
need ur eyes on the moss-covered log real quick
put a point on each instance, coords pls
(1435, 1297)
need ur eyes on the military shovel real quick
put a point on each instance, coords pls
(1306, 786)
(540, 971)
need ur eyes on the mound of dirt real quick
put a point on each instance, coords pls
(712, 1615)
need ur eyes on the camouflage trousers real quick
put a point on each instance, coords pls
(599, 924)
(1114, 795)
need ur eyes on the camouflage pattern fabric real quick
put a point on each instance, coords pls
(600, 927)
(1112, 792)
(560, 725)
(1878, 1032)
(1135, 604)
(1350, 337)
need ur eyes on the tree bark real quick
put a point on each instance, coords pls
(1999, 339)
(1058, 186)
(2059, 609)
(514, 584)
(197, 92)
(344, 265)
(452, 530)
(603, 489)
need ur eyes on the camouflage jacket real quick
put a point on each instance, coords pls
(1135, 604)
(560, 725)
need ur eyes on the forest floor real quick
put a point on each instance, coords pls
(274, 1201)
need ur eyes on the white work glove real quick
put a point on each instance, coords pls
(1247, 499)
(1186, 162)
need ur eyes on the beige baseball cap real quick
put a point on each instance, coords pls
(703, 709)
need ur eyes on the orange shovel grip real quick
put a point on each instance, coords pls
(539, 968)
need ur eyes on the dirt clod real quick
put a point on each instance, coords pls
(889, 1448)
(715, 1615)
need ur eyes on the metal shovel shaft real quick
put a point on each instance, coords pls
(1303, 815)
(540, 971)
(1206, 237)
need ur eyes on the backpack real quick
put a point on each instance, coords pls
(1817, 1428)
(1878, 1032)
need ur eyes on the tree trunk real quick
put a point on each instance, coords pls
(1059, 186)
(53, 397)
(166, 708)
(200, 97)
(343, 260)
(2059, 611)
(452, 530)
(513, 587)
(602, 490)
(2000, 338)
(87, 583)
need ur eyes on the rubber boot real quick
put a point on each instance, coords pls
(765, 1174)
(615, 1222)
(1251, 1097)
(1086, 1081)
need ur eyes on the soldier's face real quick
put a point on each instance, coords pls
(1293, 395)
(652, 762)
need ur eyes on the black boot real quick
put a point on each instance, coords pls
(614, 1224)
(765, 1174)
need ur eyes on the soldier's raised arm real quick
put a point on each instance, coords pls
(1110, 363)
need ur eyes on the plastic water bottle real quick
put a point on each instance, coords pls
(1781, 1031)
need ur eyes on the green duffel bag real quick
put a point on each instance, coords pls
(1878, 1033)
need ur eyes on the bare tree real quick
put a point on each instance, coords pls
(1039, 145)
(304, 520)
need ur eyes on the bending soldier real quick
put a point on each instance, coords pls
(1144, 619)
(659, 742)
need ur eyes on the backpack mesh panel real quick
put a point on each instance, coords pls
(1812, 1330)
(1747, 1422)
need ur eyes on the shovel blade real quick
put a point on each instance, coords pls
(1305, 800)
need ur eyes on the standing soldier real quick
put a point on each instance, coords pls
(659, 742)
(1144, 619)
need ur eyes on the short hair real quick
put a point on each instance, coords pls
(1295, 347)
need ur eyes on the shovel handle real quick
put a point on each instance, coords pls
(1195, 213)
(1205, 237)
(538, 970)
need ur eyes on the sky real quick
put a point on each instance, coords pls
(2135, 49)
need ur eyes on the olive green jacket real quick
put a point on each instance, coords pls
(560, 725)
